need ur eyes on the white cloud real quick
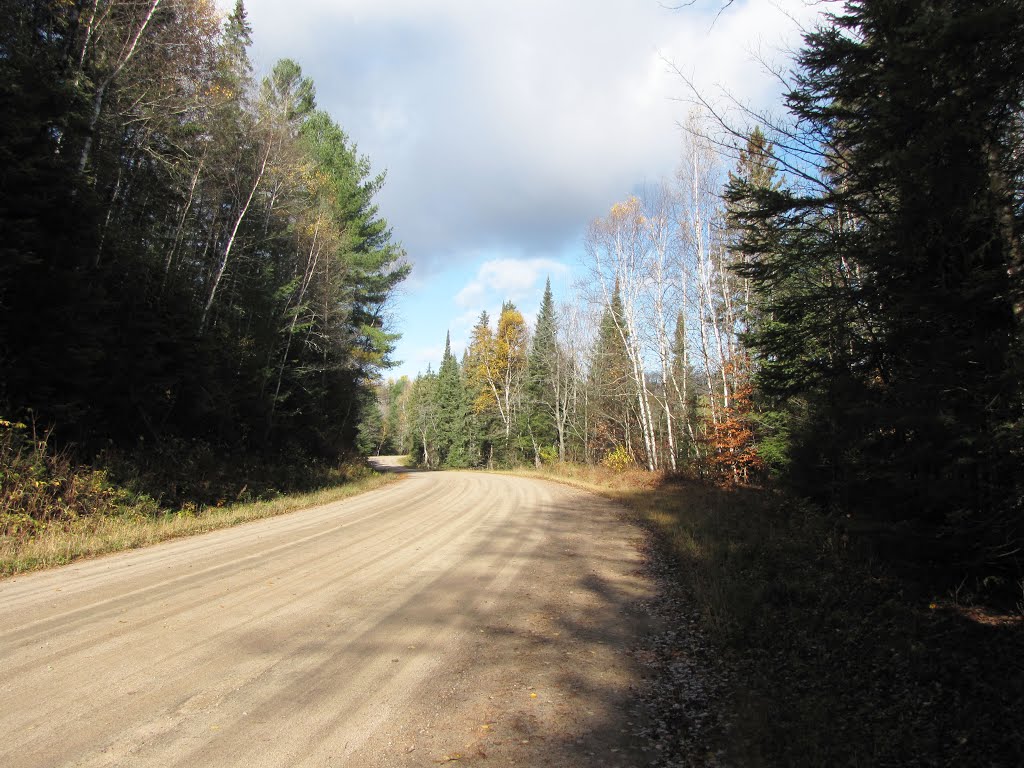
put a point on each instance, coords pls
(510, 125)
(516, 280)
(473, 294)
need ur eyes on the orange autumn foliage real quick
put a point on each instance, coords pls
(732, 450)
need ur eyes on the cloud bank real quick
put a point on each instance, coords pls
(506, 127)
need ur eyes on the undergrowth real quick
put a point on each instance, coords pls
(54, 510)
(840, 658)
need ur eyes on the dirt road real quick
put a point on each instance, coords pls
(460, 618)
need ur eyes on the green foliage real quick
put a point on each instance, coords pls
(684, 383)
(452, 414)
(609, 381)
(423, 416)
(548, 455)
(186, 256)
(774, 444)
(887, 286)
(371, 433)
(40, 487)
(541, 383)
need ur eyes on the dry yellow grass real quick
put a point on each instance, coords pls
(820, 631)
(103, 534)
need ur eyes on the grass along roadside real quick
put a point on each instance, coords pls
(129, 528)
(836, 657)
(55, 510)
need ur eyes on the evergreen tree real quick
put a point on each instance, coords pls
(48, 219)
(756, 168)
(235, 48)
(476, 375)
(183, 258)
(423, 418)
(684, 391)
(397, 416)
(477, 424)
(888, 296)
(371, 432)
(451, 413)
(609, 385)
(542, 391)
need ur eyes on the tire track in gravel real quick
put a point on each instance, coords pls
(402, 627)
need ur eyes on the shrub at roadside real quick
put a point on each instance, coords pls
(40, 487)
(54, 510)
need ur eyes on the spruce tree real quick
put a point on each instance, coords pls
(541, 401)
(423, 418)
(235, 48)
(683, 386)
(451, 413)
(888, 295)
(609, 384)
(133, 218)
(371, 431)
(477, 376)
(476, 433)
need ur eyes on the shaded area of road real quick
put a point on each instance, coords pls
(452, 616)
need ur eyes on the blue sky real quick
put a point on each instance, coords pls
(505, 128)
(450, 299)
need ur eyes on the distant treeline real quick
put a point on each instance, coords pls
(185, 253)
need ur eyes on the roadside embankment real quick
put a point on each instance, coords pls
(54, 511)
(818, 651)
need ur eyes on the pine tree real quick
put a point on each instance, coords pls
(397, 417)
(684, 392)
(235, 48)
(150, 193)
(478, 427)
(372, 430)
(757, 169)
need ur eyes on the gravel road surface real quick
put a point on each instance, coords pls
(451, 618)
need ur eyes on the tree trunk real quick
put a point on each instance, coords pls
(231, 241)
(126, 55)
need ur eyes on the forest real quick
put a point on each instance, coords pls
(194, 270)
(830, 301)
(195, 275)
(798, 361)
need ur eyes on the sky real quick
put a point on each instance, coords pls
(505, 128)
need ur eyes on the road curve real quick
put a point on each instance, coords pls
(451, 616)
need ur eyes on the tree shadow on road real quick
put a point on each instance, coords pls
(549, 673)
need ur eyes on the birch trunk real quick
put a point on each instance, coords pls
(230, 244)
(127, 53)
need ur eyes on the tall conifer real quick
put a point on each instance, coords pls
(609, 383)
(542, 368)
(451, 410)
(889, 294)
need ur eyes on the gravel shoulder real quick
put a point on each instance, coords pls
(455, 617)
